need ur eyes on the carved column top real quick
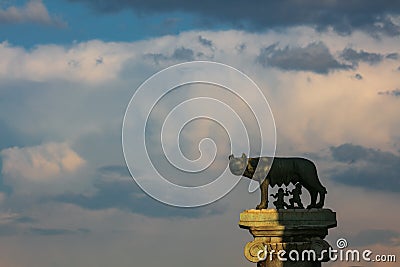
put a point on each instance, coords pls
(288, 229)
(298, 218)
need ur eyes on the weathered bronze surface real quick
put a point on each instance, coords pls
(281, 171)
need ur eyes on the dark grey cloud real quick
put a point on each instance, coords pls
(393, 56)
(375, 236)
(395, 92)
(355, 57)
(205, 42)
(369, 168)
(383, 26)
(179, 54)
(358, 76)
(343, 16)
(156, 57)
(183, 54)
(124, 194)
(240, 47)
(99, 60)
(315, 57)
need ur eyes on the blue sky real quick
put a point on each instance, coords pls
(76, 22)
(68, 69)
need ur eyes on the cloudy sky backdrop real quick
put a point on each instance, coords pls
(329, 69)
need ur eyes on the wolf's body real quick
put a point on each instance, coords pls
(279, 171)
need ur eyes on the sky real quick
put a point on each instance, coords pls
(329, 71)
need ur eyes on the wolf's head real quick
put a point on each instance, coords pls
(237, 165)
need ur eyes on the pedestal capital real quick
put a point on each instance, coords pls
(288, 229)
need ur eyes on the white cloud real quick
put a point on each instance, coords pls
(33, 12)
(51, 168)
(312, 111)
(79, 63)
(40, 163)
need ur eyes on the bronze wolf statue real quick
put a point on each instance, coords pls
(281, 171)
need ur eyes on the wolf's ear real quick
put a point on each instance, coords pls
(244, 155)
(230, 156)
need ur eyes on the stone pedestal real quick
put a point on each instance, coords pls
(291, 234)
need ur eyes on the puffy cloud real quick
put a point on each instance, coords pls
(77, 63)
(318, 98)
(335, 109)
(50, 168)
(315, 57)
(91, 97)
(350, 153)
(33, 12)
(355, 57)
(40, 163)
(364, 165)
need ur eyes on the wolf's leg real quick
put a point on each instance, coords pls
(264, 195)
(321, 199)
(313, 195)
